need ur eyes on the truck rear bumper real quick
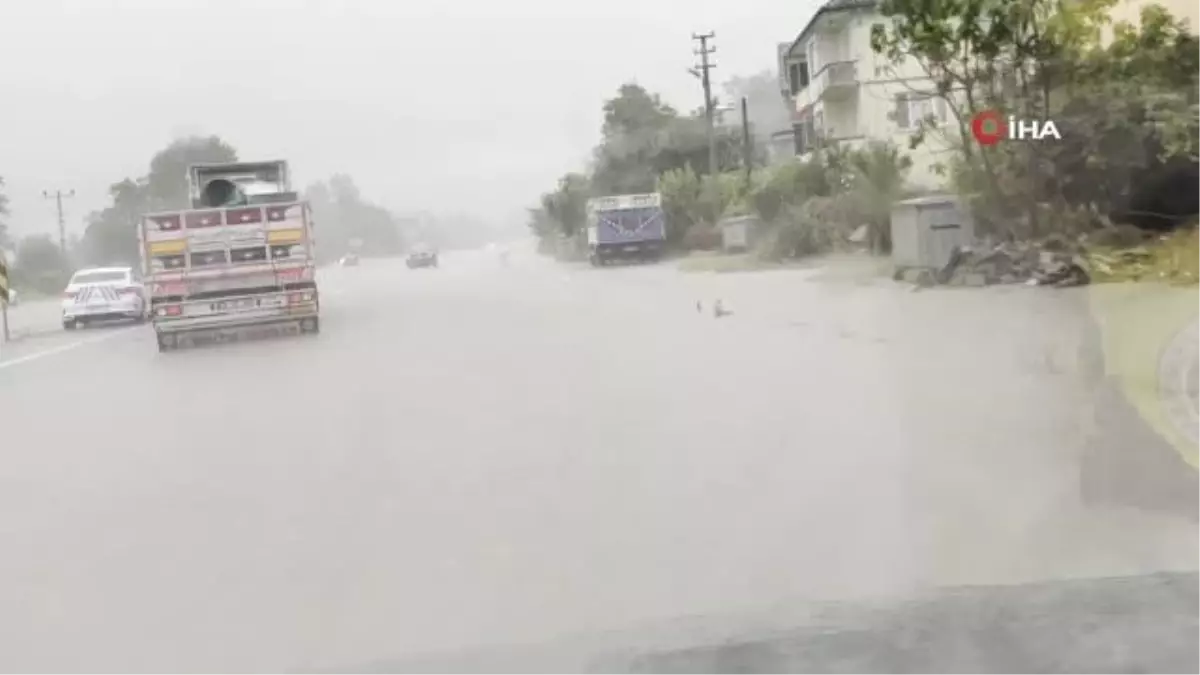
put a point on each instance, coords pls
(641, 251)
(630, 247)
(230, 322)
(199, 315)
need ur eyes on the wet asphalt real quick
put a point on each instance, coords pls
(486, 454)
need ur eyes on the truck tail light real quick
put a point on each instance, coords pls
(169, 310)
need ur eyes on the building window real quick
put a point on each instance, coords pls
(806, 134)
(912, 108)
(797, 76)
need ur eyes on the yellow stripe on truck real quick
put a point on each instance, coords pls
(168, 247)
(285, 236)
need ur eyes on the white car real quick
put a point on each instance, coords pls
(103, 294)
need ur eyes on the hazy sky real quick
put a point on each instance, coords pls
(465, 105)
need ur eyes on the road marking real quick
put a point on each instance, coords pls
(67, 347)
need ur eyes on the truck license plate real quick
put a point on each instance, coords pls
(235, 304)
(631, 248)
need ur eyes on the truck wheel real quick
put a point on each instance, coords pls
(70, 324)
(310, 326)
(165, 343)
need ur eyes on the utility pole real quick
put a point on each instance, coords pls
(702, 70)
(58, 195)
(747, 144)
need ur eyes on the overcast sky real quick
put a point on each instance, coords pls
(465, 105)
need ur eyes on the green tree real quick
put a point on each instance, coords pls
(791, 184)
(691, 200)
(878, 181)
(966, 49)
(40, 265)
(542, 225)
(167, 182)
(643, 138)
(342, 215)
(1125, 110)
(111, 234)
(5, 238)
(635, 122)
(566, 205)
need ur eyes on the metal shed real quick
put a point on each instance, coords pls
(925, 231)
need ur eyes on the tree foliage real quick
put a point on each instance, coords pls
(5, 238)
(693, 200)
(641, 139)
(40, 265)
(346, 221)
(647, 146)
(111, 234)
(1126, 108)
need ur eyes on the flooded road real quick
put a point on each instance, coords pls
(484, 454)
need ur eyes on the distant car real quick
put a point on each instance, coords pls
(349, 260)
(422, 257)
(103, 294)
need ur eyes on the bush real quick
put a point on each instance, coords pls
(702, 237)
(40, 266)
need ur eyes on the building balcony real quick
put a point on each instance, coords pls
(850, 139)
(834, 80)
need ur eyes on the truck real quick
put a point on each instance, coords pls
(626, 227)
(242, 256)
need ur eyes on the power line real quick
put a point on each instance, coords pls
(701, 70)
(57, 196)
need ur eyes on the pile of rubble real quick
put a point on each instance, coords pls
(1047, 264)
(1005, 264)
(1055, 261)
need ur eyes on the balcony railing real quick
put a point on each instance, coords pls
(839, 74)
(832, 77)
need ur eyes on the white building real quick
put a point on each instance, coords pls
(845, 93)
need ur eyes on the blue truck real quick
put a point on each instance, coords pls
(626, 228)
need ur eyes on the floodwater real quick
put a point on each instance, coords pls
(484, 454)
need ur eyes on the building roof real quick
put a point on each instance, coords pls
(829, 7)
